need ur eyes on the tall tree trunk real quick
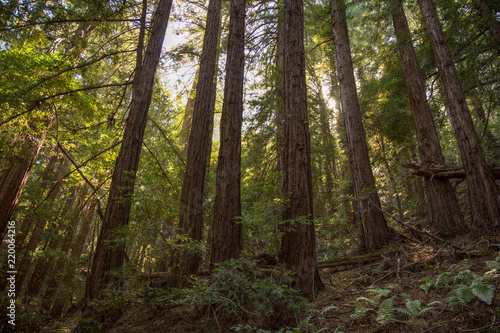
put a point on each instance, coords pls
(14, 177)
(109, 255)
(227, 239)
(483, 192)
(199, 144)
(280, 80)
(374, 232)
(298, 243)
(328, 149)
(487, 14)
(444, 213)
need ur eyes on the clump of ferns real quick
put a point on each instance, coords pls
(383, 306)
(465, 286)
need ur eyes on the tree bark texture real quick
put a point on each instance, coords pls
(482, 190)
(374, 232)
(444, 214)
(199, 145)
(227, 238)
(108, 255)
(298, 244)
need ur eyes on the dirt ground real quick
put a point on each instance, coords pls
(401, 266)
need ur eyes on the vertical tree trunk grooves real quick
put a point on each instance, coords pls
(108, 255)
(227, 240)
(191, 206)
(298, 243)
(444, 213)
(374, 232)
(481, 187)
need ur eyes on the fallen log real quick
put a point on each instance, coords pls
(345, 261)
(437, 171)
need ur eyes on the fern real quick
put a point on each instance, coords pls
(385, 314)
(484, 292)
(359, 310)
(414, 307)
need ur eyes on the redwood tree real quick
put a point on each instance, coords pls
(374, 232)
(227, 241)
(298, 243)
(199, 145)
(109, 255)
(444, 215)
(482, 190)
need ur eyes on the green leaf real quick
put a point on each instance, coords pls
(484, 292)
(385, 312)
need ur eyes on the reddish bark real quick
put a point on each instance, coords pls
(374, 232)
(483, 192)
(227, 239)
(298, 243)
(444, 213)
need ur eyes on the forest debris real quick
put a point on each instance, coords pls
(345, 261)
(438, 171)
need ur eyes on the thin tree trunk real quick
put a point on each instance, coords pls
(298, 242)
(76, 252)
(481, 187)
(279, 83)
(108, 255)
(191, 205)
(487, 14)
(391, 176)
(47, 178)
(42, 268)
(39, 225)
(44, 264)
(444, 213)
(374, 232)
(227, 239)
(188, 115)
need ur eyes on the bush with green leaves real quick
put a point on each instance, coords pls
(242, 291)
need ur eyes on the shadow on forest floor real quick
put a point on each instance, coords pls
(411, 287)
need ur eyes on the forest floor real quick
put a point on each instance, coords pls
(386, 294)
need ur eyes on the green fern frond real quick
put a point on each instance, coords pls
(385, 313)
(484, 292)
